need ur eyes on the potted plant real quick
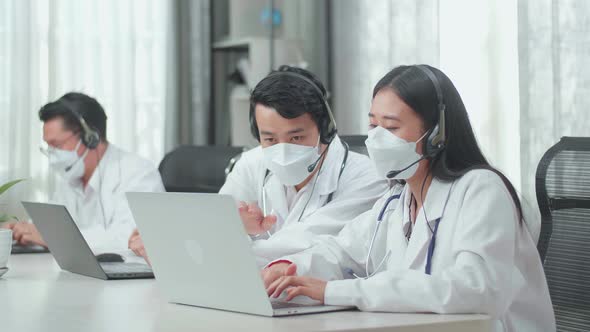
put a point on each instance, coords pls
(3, 188)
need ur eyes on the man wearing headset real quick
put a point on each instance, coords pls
(94, 174)
(302, 181)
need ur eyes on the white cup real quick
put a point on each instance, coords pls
(5, 246)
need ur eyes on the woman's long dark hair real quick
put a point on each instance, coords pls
(461, 153)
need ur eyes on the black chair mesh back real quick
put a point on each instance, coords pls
(563, 194)
(356, 143)
(196, 168)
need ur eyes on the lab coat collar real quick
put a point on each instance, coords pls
(328, 177)
(434, 203)
(95, 180)
(276, 198)
(437, 198)
(433, 209)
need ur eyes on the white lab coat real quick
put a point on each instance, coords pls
(100, 210)
(356, 192)
(484, 260)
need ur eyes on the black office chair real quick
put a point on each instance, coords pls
(356, 143)
(563, 194)
(198, 168)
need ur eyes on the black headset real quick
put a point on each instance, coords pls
(436, 141)
(326, 126)
(90, 137)
(437, 138)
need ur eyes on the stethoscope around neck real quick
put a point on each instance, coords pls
(431, 245)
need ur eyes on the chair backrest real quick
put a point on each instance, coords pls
(356, 143)
(197, 168)
(563, 194)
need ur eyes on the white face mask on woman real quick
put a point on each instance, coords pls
(290, 162)
(391, 153)
(67, 163)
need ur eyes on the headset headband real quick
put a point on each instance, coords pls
(90, 137)
(438, 137)
(332, 125)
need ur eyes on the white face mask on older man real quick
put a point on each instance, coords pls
(67, 163)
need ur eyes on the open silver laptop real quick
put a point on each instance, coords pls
(70, 249)
(201, 254)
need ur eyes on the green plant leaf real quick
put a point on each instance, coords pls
(5, 218)
(7, 186)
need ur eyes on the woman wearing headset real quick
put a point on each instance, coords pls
(453, 239)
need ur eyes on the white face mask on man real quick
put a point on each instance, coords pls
(391, 153)
(290, 162)
(67, 163)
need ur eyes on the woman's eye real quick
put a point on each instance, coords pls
(269, 140)
(296, 138)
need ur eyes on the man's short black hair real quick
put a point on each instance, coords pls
(73, 103)
(291, 97)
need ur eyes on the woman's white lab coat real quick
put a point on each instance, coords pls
(356, 192)
(484, 260)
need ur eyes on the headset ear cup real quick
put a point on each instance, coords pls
(431, 147)
(331, 133)
(437, 137)
(331, 129)
(328, 126)
(91, 139)
(325, 130)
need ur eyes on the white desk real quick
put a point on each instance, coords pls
(35, 295)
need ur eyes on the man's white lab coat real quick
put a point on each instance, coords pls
(100, 210)
(356, 192)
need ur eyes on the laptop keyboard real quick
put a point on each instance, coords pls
(283, 305)
(125, 268)
(20, 249)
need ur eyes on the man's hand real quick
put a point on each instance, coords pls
(26, 234)
(296, 285)
(254, 220)
(136, 245)
(7, 225)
